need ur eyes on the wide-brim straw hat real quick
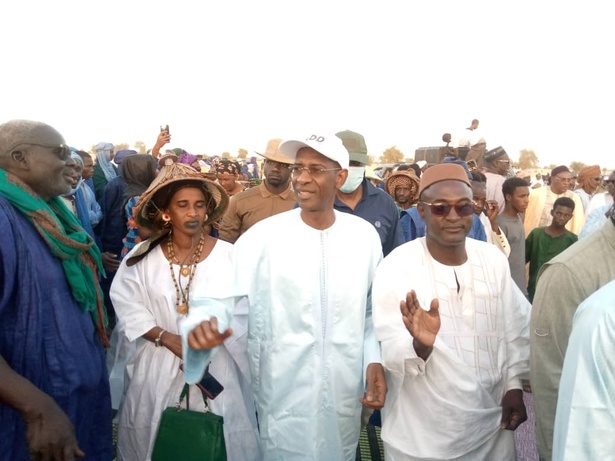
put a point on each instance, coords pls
(273, 153)
(148, 210)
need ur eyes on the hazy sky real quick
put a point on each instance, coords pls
(232, 74)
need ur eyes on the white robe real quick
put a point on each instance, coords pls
(144, 297)
(585, 417)
(310, 334)
(448, 407)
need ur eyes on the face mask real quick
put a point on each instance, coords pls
(354, 179)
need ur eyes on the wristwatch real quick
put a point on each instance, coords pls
(159, 337)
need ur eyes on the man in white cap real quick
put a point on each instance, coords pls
(455, 353)
(274, 195)
(307, 276)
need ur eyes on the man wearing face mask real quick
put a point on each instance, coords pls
(359, 197)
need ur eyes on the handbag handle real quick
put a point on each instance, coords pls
(186, 394)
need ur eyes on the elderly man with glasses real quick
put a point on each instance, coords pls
(54, 388)
(538, 213)
(454, 332)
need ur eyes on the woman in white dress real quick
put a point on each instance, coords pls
(152, 292)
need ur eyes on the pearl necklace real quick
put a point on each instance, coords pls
(186, 270)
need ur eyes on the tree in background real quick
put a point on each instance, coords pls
(575, 167)
(527, 160)
(225, 155)
(140, 147)
(392, 155)
(242, 154)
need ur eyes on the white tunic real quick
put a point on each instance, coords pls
(310, 331)
(585, 417)
(449, 406)
(144, 297)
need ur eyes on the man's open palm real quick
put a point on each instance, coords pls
(423, 325)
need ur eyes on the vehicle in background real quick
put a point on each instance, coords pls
(431, 155)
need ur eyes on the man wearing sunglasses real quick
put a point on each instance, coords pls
(454, 334)
(603, 198)
(54, 389)
(588, 181)
(538, 213)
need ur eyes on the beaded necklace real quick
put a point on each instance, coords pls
(181, 302)
(184, 268)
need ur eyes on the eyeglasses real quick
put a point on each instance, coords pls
(504, 161)
(62, 150)
(273, 163)
(563, 179)
(313, 171)
(463, 209)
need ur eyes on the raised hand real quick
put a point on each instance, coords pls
(492, 210)
(207, 336)
(421, 324)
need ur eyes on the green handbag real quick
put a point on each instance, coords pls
(189, 435)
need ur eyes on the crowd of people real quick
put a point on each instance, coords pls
(446, 303)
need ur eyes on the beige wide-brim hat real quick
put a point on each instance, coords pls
(272, 152)
(148, 210)
(371, 174)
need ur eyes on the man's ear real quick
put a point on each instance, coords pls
(18, 159)
(340, 178)
(421, 209)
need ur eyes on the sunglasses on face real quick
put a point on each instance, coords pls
(62, 150)
(463, 209)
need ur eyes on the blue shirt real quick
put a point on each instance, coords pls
(378, 208)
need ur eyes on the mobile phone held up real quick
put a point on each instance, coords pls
(165, 129)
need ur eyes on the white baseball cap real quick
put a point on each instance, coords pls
(328, 145)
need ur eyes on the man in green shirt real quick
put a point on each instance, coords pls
(544, 243)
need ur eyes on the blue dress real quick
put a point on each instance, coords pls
(47, 338)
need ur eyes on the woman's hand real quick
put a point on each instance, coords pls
(207, 336)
